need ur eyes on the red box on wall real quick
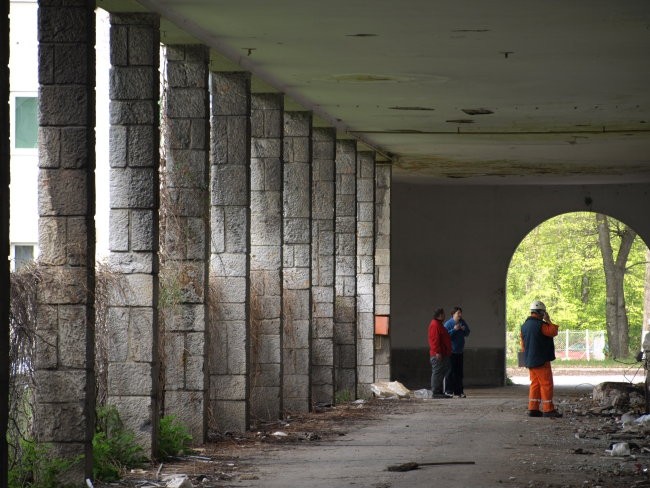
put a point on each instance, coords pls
(381, 324)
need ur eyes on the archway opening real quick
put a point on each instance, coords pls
(592, 273)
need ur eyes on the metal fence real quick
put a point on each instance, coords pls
(586, 345)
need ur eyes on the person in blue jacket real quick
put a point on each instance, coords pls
(458, 330)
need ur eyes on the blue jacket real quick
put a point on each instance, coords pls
(457, 336)
(538, 348)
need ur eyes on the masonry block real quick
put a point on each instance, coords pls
(59, 422)
(129, 379)
(230, 387)
(230, 417)
(132, 187)
(63, 194)
(188, 407)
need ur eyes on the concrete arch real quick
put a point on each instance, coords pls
(592, 215)
(452, 244)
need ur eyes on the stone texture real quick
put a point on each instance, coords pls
(345, 267)
(266, 178)
(230, 142)
(365, 272)
(64, 360)
(382, 266)
(185, 242)
(296, 272)
(322, 256)
(134, 184)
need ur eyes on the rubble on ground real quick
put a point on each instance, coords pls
(608, 441)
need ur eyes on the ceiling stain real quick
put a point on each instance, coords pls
(460, 121)
(477, 111)
(363, 78)
(410, 108)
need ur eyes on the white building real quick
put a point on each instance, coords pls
(24, 132)
(23, 230)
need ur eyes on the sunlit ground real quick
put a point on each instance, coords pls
(573, 373)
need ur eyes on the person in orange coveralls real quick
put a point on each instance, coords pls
(439, 352)
(537, 334)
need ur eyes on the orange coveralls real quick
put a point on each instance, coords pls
(541, 377)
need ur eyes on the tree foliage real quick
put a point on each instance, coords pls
(560, 263)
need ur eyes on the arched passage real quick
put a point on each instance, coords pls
(452, 244)
(561, 263)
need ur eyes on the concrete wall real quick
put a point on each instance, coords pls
(452, 244)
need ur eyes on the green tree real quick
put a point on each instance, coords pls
(614, 268)
(560, 263)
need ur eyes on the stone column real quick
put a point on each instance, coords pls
(383, 171)
(4, 239)
(365, 272)
(133, 240)
(266, 256)
(229, 264)
(345, 289)
(184, 232)
(322, 332)
(64, 356)
(296, 266)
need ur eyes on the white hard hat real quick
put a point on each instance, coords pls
(538, 305)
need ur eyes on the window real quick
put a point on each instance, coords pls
(23, 255)
(26, 122)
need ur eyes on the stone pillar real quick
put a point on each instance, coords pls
(383, 171)
(365, 272)
(184, 232)
(296, 266)
(322, 332)
(64, 356)
(4, 239)
(266, 256)
(345, 288)
(133, 240)
(229, 264)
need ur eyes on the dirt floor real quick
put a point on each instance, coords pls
(354, 444)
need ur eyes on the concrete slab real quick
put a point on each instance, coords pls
(489, 428)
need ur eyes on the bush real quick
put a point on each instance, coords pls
(114, 447)
(34, 467)
(173, 438)
(343, 396)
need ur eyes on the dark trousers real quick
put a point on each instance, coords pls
(439, 370)
(454, 379)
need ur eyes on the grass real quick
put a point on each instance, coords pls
(511, 362)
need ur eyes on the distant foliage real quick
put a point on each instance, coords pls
(559, 262)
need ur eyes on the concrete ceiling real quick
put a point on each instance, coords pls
(473, 91)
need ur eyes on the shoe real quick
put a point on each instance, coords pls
(461, 395)
(441, 395)
(552, 414)
(534, 413)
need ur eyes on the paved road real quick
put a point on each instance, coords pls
(489, 428)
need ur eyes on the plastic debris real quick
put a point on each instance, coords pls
(423, 393)
(619, 449)
(643, 419)
(389, 388)
(179, 481)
